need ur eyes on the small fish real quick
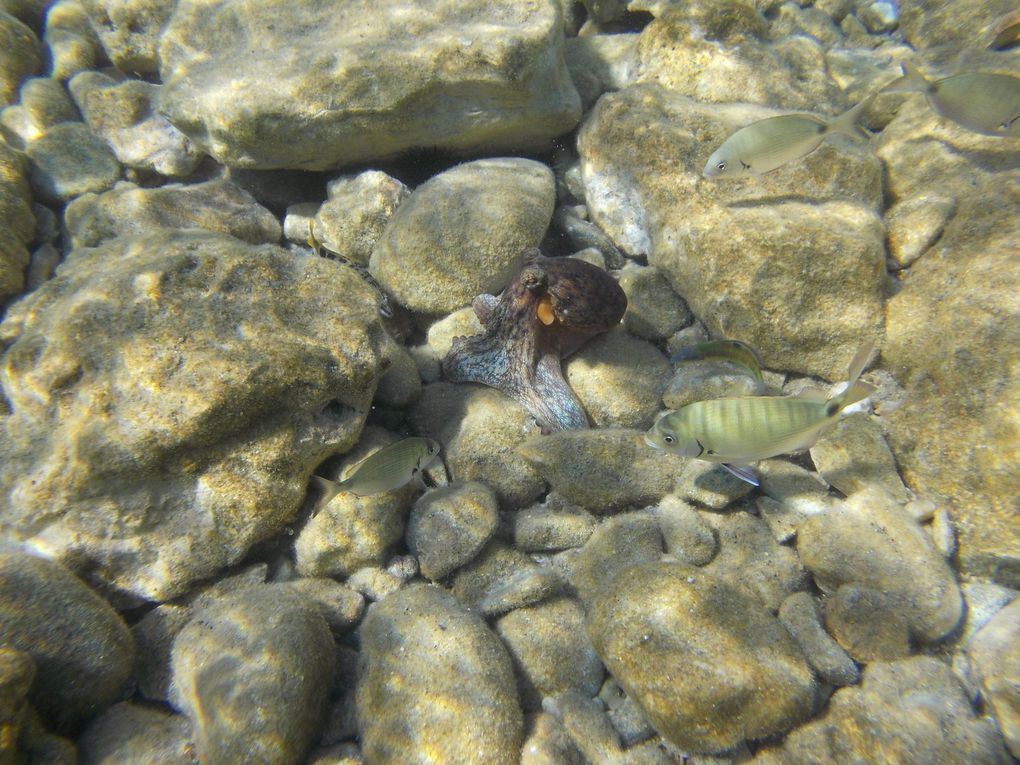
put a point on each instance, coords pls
(728, 350)
(1006, 34)
(983, 102)
(738, 431)
(767, 144)
(385, 470)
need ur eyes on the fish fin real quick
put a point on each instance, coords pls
(813, 394)
(859, 361)
(855, 390)
(328, 490)
(912, 80)
(846, 123)
(744, 473)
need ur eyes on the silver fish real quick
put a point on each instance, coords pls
(767, 144)
(385, 470)
(728, 350)
(983, 102)
(741, 430)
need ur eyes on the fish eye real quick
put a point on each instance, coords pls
(668, 439)
(721, 166)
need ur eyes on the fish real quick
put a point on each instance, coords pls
(740, 430)
(767, 144)
(1006, 34)
(727, 350)
(983, 102)
(389, 468)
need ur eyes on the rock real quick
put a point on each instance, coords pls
(501, 579)
(872, 542)
(71, 45)
(878, 17)
(154, 636)
(39, 745)
(542, 528)
(913, 710)
(480, 429)
(130, 32)
(621, 542)
(351, 532)
(751, 560)
(867, 623)
(551, 650)
(929, 24)
(341, 754)
(124, 115)
(477, 79)
(618, 379)
(995, 659)
(913, 225)
(703, 380)
(235, 393)
(688, 538)
(599, 63)
(710, 485)
(400, 385)
(587, 724)
(854, 456)
(68, 161)
(129, 732)
(340, 606)
(720, 52)
(624, 714)
(801, 493)
(654, 311)
(457, 693)
(799, 615)
(82, 650)
(642, 152)
(352, 219)
(44, 103)
(548, 743)
(374, 583)
(708, 665)
(792, 20)
(252, 672)
(17, 673)
(449, 525)
(463, 233)
(217, 206)
(17, 219)
(940, 338)
(603, 470)
(984, 600)
(19, 56)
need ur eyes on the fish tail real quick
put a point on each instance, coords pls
(912, 80)
(855, 389)
(328, 489)
(846, 123)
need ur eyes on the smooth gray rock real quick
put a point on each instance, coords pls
(502, 578)
(218, 398)
(19, 56)
(83, 651)
(128, 209)
(688, 538)
(542, 528)
(995, 658)
(331, 88)
(457, 694)
(799, 615)
(252, 672)
(449, 525)
(129, 732)
(71, 44)
(69, 160)
(17, 219)
(868, 623)
(709, 665)
(463, 233)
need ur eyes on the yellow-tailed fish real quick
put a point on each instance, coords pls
(767, 144)
(727, 350)
(984, 102)
(385, 470)
(738, 431)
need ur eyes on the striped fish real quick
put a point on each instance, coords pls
(389, 468)
(736, 351)
(738, 431)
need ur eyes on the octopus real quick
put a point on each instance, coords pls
(551, 308)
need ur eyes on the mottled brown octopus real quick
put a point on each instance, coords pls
(546, 313)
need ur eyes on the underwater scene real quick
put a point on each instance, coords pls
(510, 382)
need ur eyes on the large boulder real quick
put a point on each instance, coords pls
(167, 396)
(341, 85)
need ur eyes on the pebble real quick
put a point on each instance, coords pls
(374, 583)
(252, 671)
(129, 732)
(854, 455)
(551, 649)
(341, 606)
(630, 722)
(340, 754)
(799, 614)
(687, 537)
(44, 103)
(17, 672)
(548, 743)
(664, 630)
(544, 528)
(131, 31)
(70, 160)
(703, 380)
(654, 310)
(19, 56)
(943, 534)
(620, 542)
(867, 623)
(709, 484)
(995, 660)
(71, 44)
(603, 470)
(457, 692)
(449, 525)
(802, 493)
(82, 649)
(587, 724)
(915, 224)
(154, 635)
(872, 542)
